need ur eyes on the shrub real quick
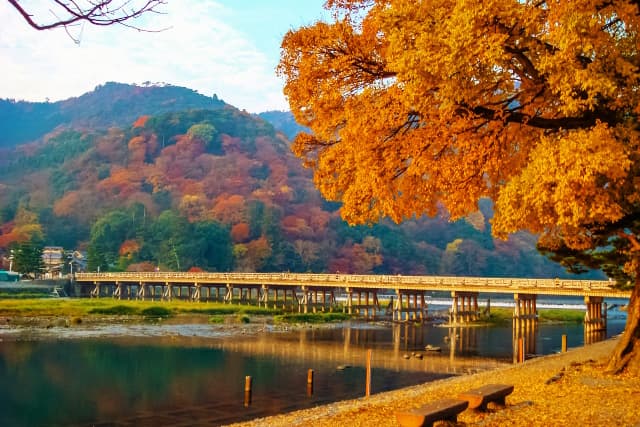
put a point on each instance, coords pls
(216, 319)
(118, 310)
(312, 317)
(156, 311)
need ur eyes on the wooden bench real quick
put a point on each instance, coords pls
(479, 398)
(426, 415)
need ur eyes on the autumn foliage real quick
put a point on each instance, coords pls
(534, 104)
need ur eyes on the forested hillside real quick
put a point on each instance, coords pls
(179, 187)
(112, 104)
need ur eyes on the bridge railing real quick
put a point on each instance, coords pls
(346, 279)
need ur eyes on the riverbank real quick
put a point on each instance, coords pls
(580, 394)
(557, 390)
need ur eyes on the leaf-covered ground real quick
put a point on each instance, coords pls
(558, 390)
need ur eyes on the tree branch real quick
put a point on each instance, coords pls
(100, 13)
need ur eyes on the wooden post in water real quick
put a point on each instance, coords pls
(367, 387)
(310, 382)
(564, 343)
(247, 390)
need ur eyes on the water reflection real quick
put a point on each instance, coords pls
(172, 379)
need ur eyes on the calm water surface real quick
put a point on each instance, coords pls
(187, 380)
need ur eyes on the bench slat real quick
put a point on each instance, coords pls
(481, 396)
(426, 415)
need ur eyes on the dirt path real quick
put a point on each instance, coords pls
(557, 390)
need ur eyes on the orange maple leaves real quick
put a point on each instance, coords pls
(414, 106)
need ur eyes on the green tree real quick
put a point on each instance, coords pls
(206, 133)
(107, 234)
(28, 258)
(208, 246)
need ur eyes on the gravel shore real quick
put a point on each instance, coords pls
(557, 390)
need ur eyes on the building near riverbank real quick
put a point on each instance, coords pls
(9, 276)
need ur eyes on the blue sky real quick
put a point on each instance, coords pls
(226, 47)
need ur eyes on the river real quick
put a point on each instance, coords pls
(194, 374)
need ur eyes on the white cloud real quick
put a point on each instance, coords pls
(199, 50)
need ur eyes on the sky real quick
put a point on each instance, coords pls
(225, 47)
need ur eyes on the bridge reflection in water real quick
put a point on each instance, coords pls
(405, 352)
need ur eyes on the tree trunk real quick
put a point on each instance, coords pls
(626, 356)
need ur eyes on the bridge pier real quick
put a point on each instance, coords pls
(464, 307)
(228, 297)
(120, 291)
(525, 325)
(525, 307)
(595, 319)
(311, 301)
(415, 308)
(197, 292)
(168, 291)
(280, 302)
(95, 293)
(370, 306)
(142, 291)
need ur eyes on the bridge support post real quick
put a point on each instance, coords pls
(228, 298)
(95, 293)
(396, 314)
(416, 306)
(197, 292)
(525, 307)
(464, 307)
(168, 291)
(142, 291)
(263, 296)
(525, 323)
(349, 301)
(595, 319)
(117, 293)
(303, 305)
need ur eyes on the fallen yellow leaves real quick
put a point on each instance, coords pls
(582, 395)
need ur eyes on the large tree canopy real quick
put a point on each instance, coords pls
(416, 106)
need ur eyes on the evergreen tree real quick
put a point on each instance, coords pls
(28, 258)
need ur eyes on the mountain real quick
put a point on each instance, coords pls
(111, 104)
(159, 176)
(284, 122)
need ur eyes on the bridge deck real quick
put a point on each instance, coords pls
(596, 288)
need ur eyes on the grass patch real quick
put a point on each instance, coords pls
(216, 319)
(22, 293)
(499, 315)
(557, 315)
(224, 309)
(244, 318)
(215, 310)
(502, 315)
(81, 307)
(311, 317)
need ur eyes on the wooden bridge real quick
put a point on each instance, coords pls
(306, 292)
